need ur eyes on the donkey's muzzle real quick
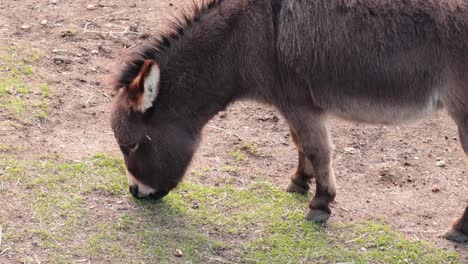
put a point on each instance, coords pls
(153, 196)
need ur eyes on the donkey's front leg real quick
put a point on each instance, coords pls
(459, 230)
(312, 139)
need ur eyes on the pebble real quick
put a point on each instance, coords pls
(435, 189)
(59, 59)
(44, 22)
(91, 7)
(94, 52)
(178, 253)
(25, 26)
(54, 2)
(440, 163)
(351, 150)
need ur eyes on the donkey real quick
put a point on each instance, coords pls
(374, 61)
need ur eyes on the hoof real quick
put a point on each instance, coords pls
(455, 236)
(292, 187)
(318, 216)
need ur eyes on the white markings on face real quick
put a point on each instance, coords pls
(151, 89)
(143, 190)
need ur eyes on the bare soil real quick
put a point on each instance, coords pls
(383, 172)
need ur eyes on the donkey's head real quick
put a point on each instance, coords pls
(169, 89)
(157, 143)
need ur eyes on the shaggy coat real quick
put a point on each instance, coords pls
(375, 61)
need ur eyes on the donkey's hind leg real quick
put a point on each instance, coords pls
(459, 230)
(300, 179)
(312, 139)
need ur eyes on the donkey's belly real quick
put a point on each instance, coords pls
(388, 112)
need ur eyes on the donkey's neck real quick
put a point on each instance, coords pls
(202, 66)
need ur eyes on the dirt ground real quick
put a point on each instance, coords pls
(389, 173)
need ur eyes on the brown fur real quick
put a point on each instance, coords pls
(376, 61)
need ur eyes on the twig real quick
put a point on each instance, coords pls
(91, 97)
(219, 200)
(5, 250)
(14, 40)
(220, 260)
(1, 233)
(111, 14)
(225, 131)
(251, 259)
(38, 262)
(79, 90)
(352, 240)
(110, 32)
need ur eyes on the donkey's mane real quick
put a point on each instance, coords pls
(178, 27)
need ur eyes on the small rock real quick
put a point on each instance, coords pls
(94, 52)
(91, 7)
(25, 26)
(55, 51)
(134, 27)
(435, 189)
(178, 253)
(59, 60)
(54, 2)
(351, 150)
(440, 163)
(43, 22)
(222, 115)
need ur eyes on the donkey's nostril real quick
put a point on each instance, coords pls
(133, 190)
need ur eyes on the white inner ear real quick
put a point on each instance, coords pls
(151, 89)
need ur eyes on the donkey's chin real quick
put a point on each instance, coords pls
(134, 190)
(140, 190)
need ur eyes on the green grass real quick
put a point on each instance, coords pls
(21, 97)
(74, 211)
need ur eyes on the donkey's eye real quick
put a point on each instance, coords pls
(127, 149)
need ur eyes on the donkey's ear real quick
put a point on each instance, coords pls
(145, 87)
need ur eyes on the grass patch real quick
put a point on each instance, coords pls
(75, 211)
(200, 173)
(21, 97)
